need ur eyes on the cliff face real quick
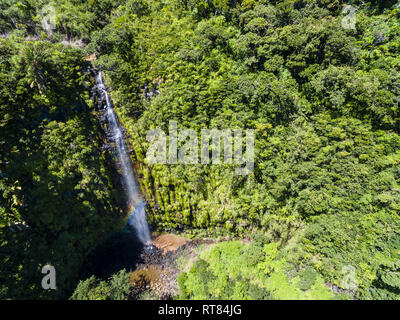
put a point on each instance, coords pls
(310, 89)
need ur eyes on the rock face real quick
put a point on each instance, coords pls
(159, 269)
(169, 242)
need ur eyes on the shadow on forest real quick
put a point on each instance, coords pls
(121, 251)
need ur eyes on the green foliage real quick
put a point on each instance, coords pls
(56, 189)
(148, 295)
(74, 19)
(323, 101)
(308, 279)
(117, 288)
(253, 254)
(225, 272)
(119, 285)
(281, 69)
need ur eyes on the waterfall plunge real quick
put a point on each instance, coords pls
(137, 218)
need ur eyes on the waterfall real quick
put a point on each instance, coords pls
(137, 218)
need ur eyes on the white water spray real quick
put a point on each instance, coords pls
(137, 218)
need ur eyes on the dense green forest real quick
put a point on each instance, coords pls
(323, 201)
